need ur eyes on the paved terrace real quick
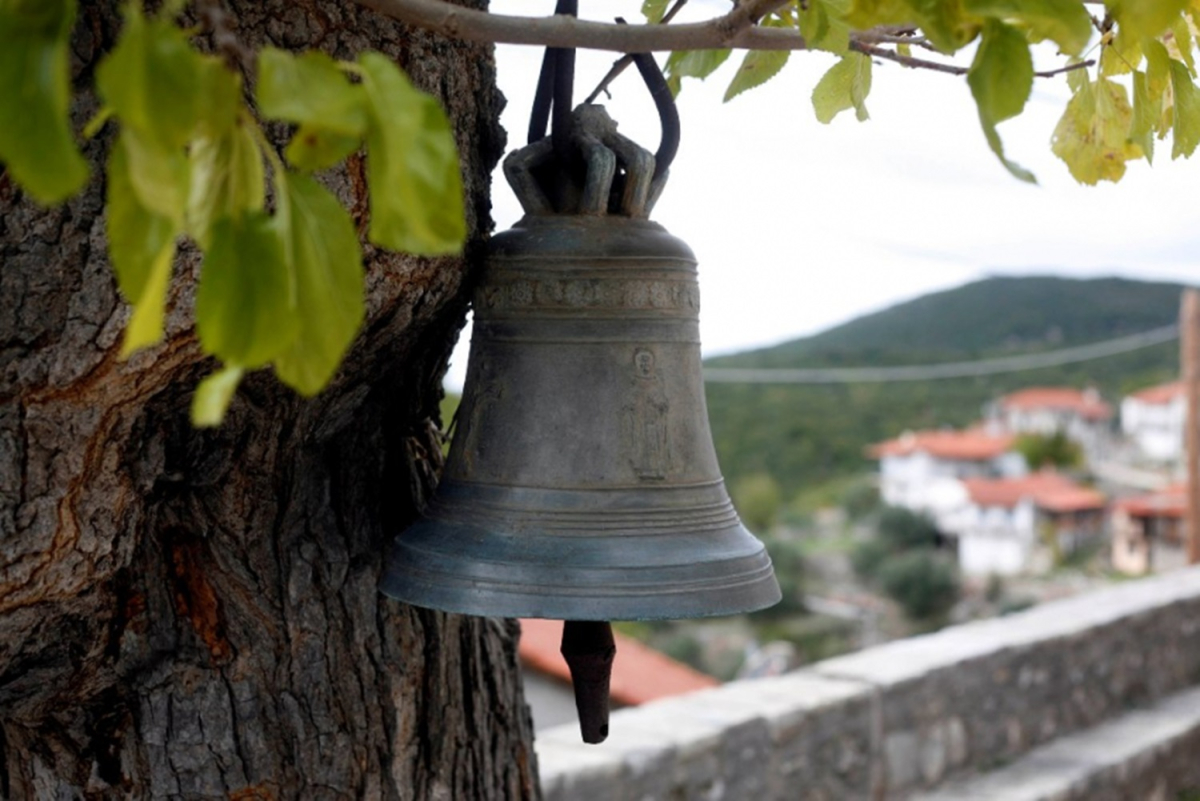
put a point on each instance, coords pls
(1094, 697)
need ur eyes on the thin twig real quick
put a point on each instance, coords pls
(622, 63)
(951, 69)
(225, 40)
(1078, 65)
(907, 61)
(876, 36)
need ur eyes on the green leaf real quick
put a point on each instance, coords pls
(695, 63)
(141, 245)
(310, 89)
(145, 325)
(213, 396)
(1179, 43)
(160, 174)
(227, 180)
(1065, 22)
(313, 91)
(245, 312)
(1120, 56)
(1158, 78)
(36, 142)
(844, 86)
(1077, 79)
(654, 10)
(222, 93)
(1145, 114)
(49, 19)
(328, 277)
(152, 80)
(1001, 78)
(314, 148)
(757, 68)
(1186, 128)
(412, 165)
(822, 26)
(944, 22)
(1141, 19)
(1092, 135)
(866, 14)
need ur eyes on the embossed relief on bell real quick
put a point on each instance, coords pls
(680, 295)
(647, 431)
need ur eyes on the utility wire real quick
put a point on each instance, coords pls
(926, 372)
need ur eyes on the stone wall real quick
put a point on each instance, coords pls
(902, 717)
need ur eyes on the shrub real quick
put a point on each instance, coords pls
(903, 529)
(757, 498)
(924, 585)
(868, 556)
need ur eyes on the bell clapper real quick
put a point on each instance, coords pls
(588, 647)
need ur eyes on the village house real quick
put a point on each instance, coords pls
(1006, 526)
(1153, 420)
(1081, 415)
(1149, 532)
(639, 675)
(922, 470)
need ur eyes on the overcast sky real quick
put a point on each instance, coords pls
(799, 226)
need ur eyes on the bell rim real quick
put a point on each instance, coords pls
(742, 580)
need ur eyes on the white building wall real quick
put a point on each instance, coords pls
(1156, 428)
(933, 486)
(996, 540)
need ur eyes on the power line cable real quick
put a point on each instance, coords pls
(926, 372)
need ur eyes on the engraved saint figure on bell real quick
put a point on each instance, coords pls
(647, 440)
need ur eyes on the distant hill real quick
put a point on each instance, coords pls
(806, 434)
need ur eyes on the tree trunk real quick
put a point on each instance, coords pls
(194, 614)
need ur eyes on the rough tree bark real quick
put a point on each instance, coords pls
(194, 614)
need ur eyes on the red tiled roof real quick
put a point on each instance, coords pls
(1161, 394)
(1168, 502)
(1085, 403)
(971, 446)
(1048, 490)
(640, 674)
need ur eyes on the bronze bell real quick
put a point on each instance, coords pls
(582, 483)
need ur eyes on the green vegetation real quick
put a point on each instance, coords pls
(803, 435)
(787, 557)
(1055, 450)
(758, 499)
(925, 585)
(903, 561)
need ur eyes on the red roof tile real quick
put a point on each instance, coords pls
(1161, 394)
(970, 446)
(640, 674)
(1048, 490)
(1168, 502)
(1086, 402)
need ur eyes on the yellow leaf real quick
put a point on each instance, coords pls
(1092, 137)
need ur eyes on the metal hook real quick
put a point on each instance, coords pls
(556, 84)
(668, 113)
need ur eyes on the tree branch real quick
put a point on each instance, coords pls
(735, 29)
(622, 63)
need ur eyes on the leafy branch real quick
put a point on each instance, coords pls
(279, 287)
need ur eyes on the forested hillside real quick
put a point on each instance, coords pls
(808, 434)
